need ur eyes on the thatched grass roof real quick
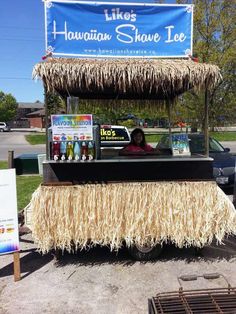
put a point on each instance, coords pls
(124, 78)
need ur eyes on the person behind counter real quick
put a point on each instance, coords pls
(137, 145)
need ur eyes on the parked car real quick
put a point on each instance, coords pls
(224, 161)
(4, 127)
(116, 136)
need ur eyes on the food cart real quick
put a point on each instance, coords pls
(141, 202)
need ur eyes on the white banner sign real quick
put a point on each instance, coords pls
(9, 234)
(72, 127)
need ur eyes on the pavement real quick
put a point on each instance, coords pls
(102, 282)
(15, 141)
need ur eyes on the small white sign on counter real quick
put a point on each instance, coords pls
(180, 144)
(9, 233)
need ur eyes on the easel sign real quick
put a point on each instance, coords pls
(9, 233)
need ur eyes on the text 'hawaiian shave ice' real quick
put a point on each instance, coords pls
(126, 33)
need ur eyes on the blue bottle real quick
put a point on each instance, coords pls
(76, 150)
(63, 150)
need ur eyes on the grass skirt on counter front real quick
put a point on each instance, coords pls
(185, 213)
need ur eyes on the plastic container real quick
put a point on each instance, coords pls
(41, 159)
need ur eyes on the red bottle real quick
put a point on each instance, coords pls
(56, 150)
(84, 151)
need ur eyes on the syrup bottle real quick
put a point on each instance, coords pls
(77, 150)
(63, 150)
(84, 151)
(69, 151)
(56, 150)
(90, 151)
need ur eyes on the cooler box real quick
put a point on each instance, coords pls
(26, 164)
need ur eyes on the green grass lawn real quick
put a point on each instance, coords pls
(3, 164)
(25, 186)
(35, 139)
(224, 136)
(153, 138)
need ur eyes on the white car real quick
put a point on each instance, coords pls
(4, 127)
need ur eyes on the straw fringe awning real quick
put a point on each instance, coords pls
(125, 78)
(185, 213)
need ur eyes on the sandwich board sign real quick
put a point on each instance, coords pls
(9, 233)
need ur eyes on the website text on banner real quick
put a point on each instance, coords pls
(90, 29)
(9, 234)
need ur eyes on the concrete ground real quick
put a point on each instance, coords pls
(101, 282)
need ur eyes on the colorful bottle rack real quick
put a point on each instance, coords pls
(72, 151)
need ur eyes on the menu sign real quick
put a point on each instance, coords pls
(72, 127)
(9, 234)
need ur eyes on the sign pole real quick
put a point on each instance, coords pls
(16, 260)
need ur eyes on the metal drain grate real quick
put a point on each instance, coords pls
(201, 301)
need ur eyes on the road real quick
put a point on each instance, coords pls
(231, 145)
(16, 141)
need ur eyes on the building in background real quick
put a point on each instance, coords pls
(25, 108)
(36, 119)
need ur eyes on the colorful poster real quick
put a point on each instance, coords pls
(115, 29)
(9, 233)
(180, 144)
(72, 127)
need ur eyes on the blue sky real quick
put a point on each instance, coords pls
(22, 45)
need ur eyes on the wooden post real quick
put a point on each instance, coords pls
(16, 259)
(10, 159)
(206, 122)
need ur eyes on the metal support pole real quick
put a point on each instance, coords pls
(234, 196)
(206, 122)
(169, 114)
(46, 123)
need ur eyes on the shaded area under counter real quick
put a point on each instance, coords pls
(145, 168)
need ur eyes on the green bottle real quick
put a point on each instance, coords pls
(69, 151)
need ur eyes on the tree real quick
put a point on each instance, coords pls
(215, 42)
(8, 107)
(55, 103)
